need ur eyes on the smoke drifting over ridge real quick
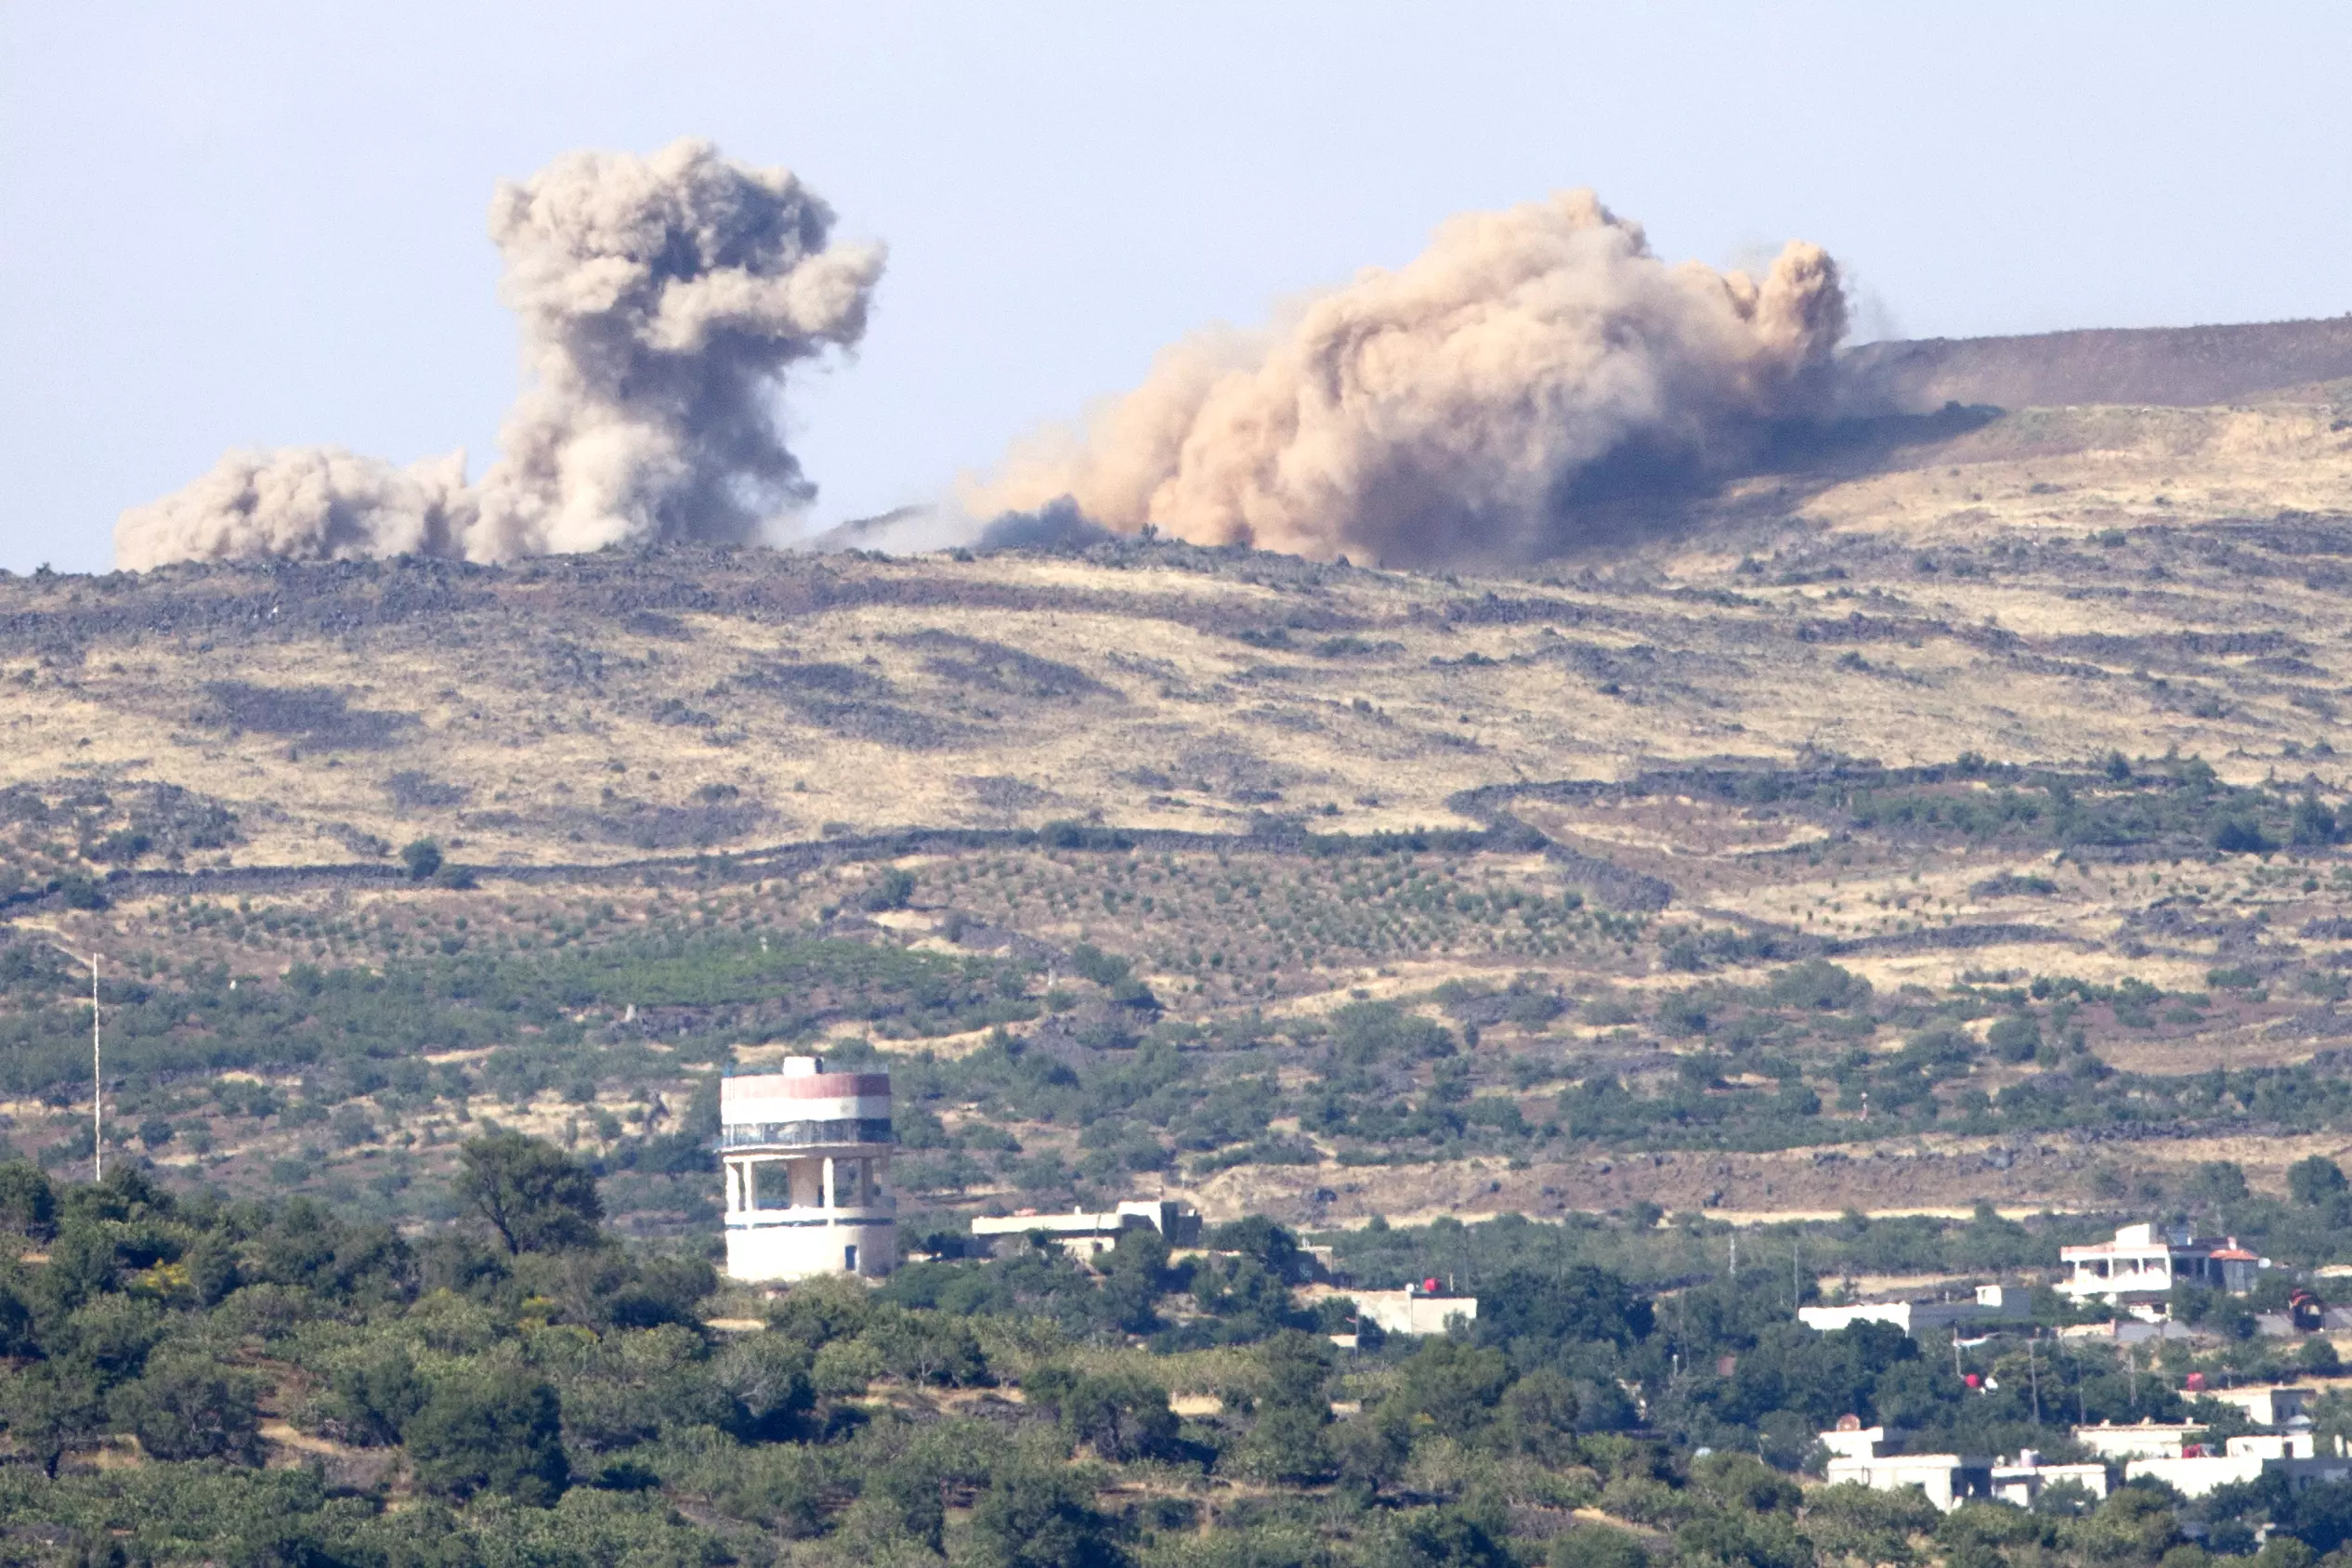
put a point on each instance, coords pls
(1476, 403)
(661, 299)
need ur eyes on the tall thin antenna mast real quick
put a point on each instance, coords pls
(98, 1062)
(97, 1084)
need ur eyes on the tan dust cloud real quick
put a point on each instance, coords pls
(1485, 401)
(661, 300)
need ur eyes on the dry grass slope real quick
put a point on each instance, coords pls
(589, 736)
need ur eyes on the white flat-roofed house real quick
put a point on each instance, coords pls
(2193, 1475)
(1992, 1303)
(1857, 1455)
(2029, 1477)
(1949, 1479)
(2137, 1270)
(2291, 1454)
(2265, 1406)
(1853, 1440)
(1095, 1233)
(2139, 1439)
(1412, 1311)
(805, 1157)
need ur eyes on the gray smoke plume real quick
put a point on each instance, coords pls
(1482, 401)
(661, 300)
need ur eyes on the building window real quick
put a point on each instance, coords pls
(849, 1259)
(771, 1185)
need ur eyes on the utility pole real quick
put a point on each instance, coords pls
(97, 1072)
(98, 1083)
(2034, 1376)
(1735, 1255)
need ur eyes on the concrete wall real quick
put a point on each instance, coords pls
(2266, 1407)
(1410, 1311)
(1947, 1479)
(2195, 1477)
(807, 1246)
(1994, 1303)
(2142, 1439)
(2022, 1484)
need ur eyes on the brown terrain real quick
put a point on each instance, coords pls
(2088, 574)
(2181, 367)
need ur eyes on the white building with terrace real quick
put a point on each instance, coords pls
(1859, 1455)
(805, 1154)
(2137, 1270)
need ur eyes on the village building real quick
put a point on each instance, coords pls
(1090, 1235)
(1990, 1304)
(1858, 1455)
(2138, 1269)
(2176, 1454)
(2275, 1406)
(804, 1155)
(2139, 1439)
(2291, 1455)
(2027, 1478)
(1417, 1309)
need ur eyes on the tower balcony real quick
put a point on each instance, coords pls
(863, 1134)
(881, 1209)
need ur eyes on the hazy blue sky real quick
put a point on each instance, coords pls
(264, 224)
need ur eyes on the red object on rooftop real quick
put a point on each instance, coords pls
(2194, 1382)
(1973, 1380)
(1429, 1285)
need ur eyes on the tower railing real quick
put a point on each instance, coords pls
(805, 1134)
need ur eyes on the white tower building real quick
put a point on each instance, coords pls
(805, 1154)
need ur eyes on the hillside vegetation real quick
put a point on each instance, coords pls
(1952, 814)
(200, 1381)
(1917, 857)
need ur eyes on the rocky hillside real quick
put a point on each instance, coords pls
(1924, 818)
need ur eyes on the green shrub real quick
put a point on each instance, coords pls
(1031, 1518)
(531, 1193)
(500, 1432)
(422, 858)
(187, 1406)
